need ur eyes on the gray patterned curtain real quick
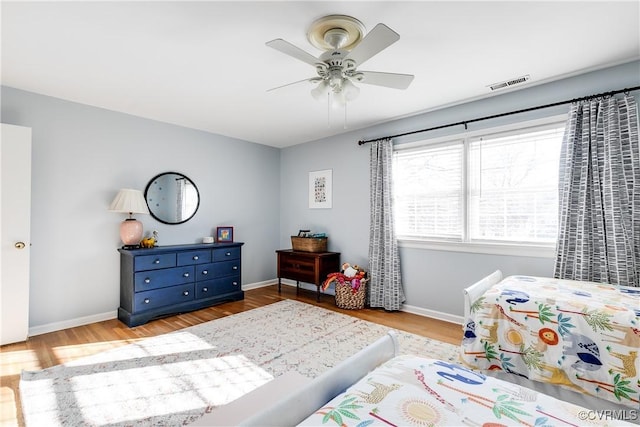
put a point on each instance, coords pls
(385, 287)
(599, 215)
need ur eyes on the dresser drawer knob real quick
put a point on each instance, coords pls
(235, 267)
(156, 261)
(205, 289)
(147, 300)
(234, 283)
(185, 275)
(195, 258)
(147, 280)
(205, 272)
(228, 254)
(185, 293)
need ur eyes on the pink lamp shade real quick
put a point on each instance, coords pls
(130, 201)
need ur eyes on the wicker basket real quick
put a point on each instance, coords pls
(348, 299)
(309, 244)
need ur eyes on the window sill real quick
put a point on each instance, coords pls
(481, 248)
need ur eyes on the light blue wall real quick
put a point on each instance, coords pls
(82, 155)
(433, 280)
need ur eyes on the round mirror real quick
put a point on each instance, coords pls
(172, 198)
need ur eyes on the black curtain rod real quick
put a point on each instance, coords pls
(465, 122)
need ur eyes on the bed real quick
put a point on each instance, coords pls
(378, 387)
(574, 339)
(411, 390)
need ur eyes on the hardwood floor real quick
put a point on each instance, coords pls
(43, 351)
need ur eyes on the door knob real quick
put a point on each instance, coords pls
(19, 245)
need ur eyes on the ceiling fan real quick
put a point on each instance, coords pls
(346, 48)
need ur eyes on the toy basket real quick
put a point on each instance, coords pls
(348, 299)
(309, 244)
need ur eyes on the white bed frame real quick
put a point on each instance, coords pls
(475, 291)
(289, 399)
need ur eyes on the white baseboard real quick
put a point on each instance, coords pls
(425, 312)
(72, 323)
(256, 285)
(80, 321)
(451, 318)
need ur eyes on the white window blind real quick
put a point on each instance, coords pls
(428, 194)
(489, 188)
(513, 186)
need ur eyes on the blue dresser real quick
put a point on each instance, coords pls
(175, 279)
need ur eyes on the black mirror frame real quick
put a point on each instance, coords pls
(151, 210)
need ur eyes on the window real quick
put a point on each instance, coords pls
(496, 187)
(428, 191)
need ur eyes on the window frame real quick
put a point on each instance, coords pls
(528, 249)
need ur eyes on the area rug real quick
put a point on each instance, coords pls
(175, 378)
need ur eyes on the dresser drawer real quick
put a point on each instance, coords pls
(298, 268)
(228, 284)
(215, 269)
(194, 257)
(153, 279)
(217, 287)
(205, 271)
(223, 254)
(206, 289)
(154, 262)
(149, 300)
(296, 262)
(226, 268)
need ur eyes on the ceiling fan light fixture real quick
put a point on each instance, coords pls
(320, 92)
(350, 90)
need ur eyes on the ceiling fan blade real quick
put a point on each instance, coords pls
(311, 80)
(392, 80)
(294, 51)
(378, 39)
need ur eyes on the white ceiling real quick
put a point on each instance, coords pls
(205, 65)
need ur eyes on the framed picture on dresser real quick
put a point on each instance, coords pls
(224, 234)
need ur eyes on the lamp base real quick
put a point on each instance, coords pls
(131, 247)
(131, 232)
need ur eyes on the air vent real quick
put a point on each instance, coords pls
(508, 83)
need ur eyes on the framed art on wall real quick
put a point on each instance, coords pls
(224, 234)
(320, 188)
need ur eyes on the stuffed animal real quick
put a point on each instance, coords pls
(353, 275)
(349, 271)
(150, 242)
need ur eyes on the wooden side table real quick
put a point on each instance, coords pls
(309, 267)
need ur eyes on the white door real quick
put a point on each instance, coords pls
(15, 232)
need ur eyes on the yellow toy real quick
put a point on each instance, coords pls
(149, 242)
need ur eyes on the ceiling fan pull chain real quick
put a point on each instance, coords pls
(344, 122)
(329, 109)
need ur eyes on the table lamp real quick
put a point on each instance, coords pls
(130, 201)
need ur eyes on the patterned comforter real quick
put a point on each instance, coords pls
(410, 390)
(584, 336)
